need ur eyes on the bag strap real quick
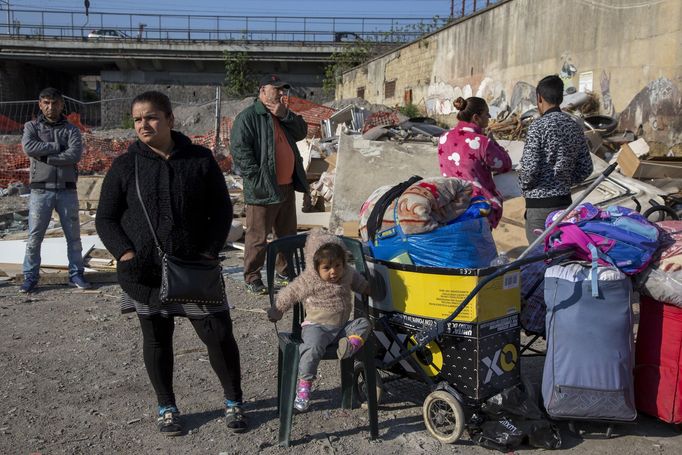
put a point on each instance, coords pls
(571, 233)
(374, 221)
(144, 209)
(398, 229)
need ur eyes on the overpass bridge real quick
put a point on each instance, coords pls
(39, 47)
(110, 37)
(89, 56)
(172, 49)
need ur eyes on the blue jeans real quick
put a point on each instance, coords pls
(40, 207)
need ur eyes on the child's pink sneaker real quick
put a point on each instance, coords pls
(302, 400)
(348, 346)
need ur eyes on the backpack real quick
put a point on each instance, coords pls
(617, 236)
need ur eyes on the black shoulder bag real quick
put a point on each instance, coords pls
(184, 281)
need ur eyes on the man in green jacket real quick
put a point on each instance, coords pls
(263, 145)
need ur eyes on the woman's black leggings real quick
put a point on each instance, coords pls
(214, 330)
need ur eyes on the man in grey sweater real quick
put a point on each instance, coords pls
(555, 158)
(54, 147)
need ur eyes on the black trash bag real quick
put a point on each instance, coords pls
(511, 418)
(506, 434)
(501, 434)
(542, 434)
(513, 401)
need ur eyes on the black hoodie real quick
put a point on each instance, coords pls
(187, 201)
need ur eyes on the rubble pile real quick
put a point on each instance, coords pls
(326, 125)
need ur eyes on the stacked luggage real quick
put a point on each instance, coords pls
(588, 371)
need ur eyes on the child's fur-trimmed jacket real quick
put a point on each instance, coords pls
(324, 303)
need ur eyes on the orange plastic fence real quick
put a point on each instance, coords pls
(98, 153)
(75, 119)
(7, 125)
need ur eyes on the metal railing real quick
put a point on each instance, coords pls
(40, 24)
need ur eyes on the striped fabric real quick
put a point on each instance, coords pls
(190, 310)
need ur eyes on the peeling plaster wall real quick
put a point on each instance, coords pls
(619, 47)
(409, 66)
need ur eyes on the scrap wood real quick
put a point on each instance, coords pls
(509, 128)
(591, 106)
(61, 277)
(98, 263)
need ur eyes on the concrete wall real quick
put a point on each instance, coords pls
(115, 113)
(618, 47)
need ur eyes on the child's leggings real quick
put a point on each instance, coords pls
(316, 338)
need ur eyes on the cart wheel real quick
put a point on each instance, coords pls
(443, 416)
(360, 385)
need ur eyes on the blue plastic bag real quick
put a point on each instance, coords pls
(464, 243)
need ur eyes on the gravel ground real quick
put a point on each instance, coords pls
(9, 204)
(72, 381)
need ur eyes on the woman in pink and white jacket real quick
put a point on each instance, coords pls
(466, 153)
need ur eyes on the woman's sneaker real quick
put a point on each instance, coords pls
(302, 401)
(169, 421)
(234, 417)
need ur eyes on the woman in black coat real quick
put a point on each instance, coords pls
(186, 197)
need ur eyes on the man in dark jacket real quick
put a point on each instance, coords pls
(54, 147)
(263, 144)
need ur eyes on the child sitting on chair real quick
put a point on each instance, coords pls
(325, 291)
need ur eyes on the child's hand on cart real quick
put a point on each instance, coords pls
(274, 314)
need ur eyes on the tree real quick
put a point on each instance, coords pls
(349, 57)
(239, 81)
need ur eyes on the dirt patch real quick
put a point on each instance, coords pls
(72, 381)
(200, 119)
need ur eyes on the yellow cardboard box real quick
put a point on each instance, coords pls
(415, 292)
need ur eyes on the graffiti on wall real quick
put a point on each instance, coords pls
(654, 113)
(568, 70)
(606, 101)
(441, 96)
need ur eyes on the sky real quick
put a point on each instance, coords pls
(288, 20)
(337, 8)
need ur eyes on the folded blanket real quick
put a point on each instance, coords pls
(423, 207)
(665, 286)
